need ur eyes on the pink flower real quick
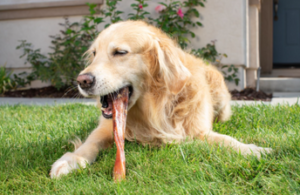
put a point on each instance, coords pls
(160, 8)
(140, 6)
(180, 13)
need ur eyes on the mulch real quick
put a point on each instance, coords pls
(52, 92)
(45, 92)
(250, 94)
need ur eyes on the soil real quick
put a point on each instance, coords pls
(52, 92)
(250, 94)
(45, 92)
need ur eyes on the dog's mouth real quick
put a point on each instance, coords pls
(107, 101)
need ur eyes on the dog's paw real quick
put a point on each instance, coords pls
(251, 149)
(66, 164)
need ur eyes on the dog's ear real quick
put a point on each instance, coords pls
(170, 68)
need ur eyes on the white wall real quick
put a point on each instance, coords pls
(223, 21)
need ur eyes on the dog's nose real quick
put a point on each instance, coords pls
(85, 80)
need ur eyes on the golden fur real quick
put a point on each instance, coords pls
(176, 95)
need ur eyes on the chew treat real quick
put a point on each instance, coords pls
(119, 113)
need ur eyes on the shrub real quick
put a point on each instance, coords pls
(6, 83)
(210, 55)
(64, 63)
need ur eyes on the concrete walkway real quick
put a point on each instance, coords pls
(44, 101)
(289, 98)
(279, 98)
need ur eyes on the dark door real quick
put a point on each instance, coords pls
(286, 39)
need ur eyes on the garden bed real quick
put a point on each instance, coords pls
(45, 92)
(251, 95)
(72, 92)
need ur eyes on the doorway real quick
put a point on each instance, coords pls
(286, 38)
(280, 38)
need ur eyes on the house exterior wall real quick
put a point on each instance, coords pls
(223, 21)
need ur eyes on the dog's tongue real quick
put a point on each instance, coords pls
(119, 112)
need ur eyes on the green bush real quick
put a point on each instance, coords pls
(211, 55)
(63, 64)
(6, 83)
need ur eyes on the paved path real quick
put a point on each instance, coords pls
(44, 101)
(279, 98)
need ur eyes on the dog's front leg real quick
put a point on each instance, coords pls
(100, 138)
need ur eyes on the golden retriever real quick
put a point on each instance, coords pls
(174, 96)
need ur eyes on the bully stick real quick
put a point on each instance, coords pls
(120, 103)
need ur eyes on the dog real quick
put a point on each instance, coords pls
(174, 96)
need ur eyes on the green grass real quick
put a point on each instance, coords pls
(32, 138)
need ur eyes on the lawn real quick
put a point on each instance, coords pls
(32, 138)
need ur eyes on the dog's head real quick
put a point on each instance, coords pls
(132, 54)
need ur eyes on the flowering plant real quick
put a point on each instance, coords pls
(174, 18)
(139, 7)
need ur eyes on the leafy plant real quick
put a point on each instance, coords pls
(65, 62)
(231, 73)
(140, 11)
(6, 83)
(208, 53)
(211, 55)
(175, 22)
(112, 12)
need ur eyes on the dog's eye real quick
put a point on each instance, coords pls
(94, 53)
(120, 52)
